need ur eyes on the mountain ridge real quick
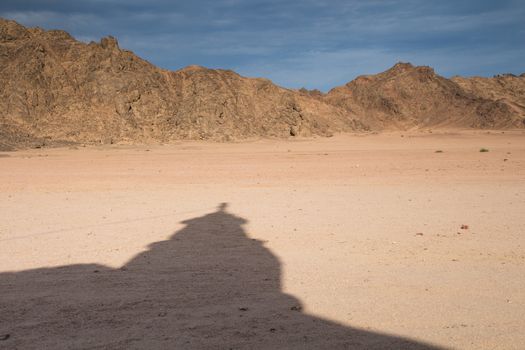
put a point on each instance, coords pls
(56, 90)
(407, 96)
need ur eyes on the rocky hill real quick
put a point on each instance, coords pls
(406, 96)
(57, 90)
(54, 89)
(507, 89)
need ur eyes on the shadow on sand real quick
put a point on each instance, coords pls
(209, 286)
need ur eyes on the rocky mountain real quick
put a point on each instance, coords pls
(54, 89)
(57, 90)
(406, 96)
(507, 89)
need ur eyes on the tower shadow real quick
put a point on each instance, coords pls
(208, 287)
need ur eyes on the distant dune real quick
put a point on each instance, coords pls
(56, 90)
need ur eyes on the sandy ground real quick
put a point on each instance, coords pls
(344, 242)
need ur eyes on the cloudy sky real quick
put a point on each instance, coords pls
(310, 43)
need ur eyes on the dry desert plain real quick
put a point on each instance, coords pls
(343, 242)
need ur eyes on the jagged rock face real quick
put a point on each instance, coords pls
(506, 89)
(406, 96)
(54, 88)
(225, 104)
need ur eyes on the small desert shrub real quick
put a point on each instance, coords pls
(484, 150)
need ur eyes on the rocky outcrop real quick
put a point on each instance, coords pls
(406, 96)
(55, 89)
(508, 90)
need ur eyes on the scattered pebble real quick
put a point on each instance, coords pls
(464, 227)
(4, 337)
(419, 234)
(296, 308)
(243, 309)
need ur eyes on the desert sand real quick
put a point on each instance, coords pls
(354, 241)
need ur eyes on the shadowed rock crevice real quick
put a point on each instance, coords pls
(208, 286)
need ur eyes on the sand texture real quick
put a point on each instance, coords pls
(350, 242)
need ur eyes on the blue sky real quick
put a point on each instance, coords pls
(314, 44)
